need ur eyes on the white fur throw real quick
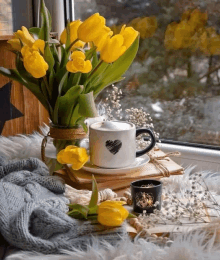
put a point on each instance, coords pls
(190, 246)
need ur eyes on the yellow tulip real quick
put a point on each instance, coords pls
(73, 35)
(210, 42)
(77, 156)
(39, 45)
(112, 213)
(195, 18)
(91, 28)
(102, 38)
(182, 35)
(146, 26)
(113, 48)
(15, 44)
(27, 40)
(129, 34)
(78, 63)
(179, 36)
(25, 36)
(116, 29)
(169, 35)
(34, 63)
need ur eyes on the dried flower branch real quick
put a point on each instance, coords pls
(198, 205)
(112, 110)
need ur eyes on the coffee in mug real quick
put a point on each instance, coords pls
(112, 144)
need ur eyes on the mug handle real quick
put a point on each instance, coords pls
(152, 144)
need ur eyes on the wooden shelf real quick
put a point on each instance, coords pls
(5, 37)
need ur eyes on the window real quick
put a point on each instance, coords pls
(176, 80)
(5, 17)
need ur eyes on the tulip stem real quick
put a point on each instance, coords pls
(208, 81)
(95, 69)
(47, 86)
(71, 45)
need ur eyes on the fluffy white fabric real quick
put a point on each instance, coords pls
(190, 246)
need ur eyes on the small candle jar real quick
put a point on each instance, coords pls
(146, 195)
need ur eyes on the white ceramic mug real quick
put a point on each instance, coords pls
(112, 144)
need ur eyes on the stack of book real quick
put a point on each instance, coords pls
(82, 179)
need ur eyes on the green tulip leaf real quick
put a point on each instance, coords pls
(87, 106)
(114, 72)
(92, 217)
(64, 55)
(45, 23)
(80, 209)
(75, 116)
(94, 197)
(65, 105)
(97, 74)
(55, 53)
(130, 215)
(93, 210)
(89, 53)
(81, 121)
(35, 31)
(48, 56)
(12, 74)
(62, 82)
(51, 79)
(73, 80)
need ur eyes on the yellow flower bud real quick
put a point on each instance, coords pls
(15, 44)
(73, 35)
(78, 63)
(25, 36)
(129, 34)
(113, 48)
(77, 156)
(91, 28)
(34, 63)
(112, 213)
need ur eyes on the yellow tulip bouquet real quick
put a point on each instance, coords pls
(107, 213)
(67, 75)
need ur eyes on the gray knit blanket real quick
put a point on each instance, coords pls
(33, 211)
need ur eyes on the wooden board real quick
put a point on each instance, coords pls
(34, 113)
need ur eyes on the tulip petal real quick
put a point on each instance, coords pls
(70, 67)
(60, 157)
(87, 66)
(15, 44)
(35, 64)
(39, 45)
(109, 217)
(78, 54)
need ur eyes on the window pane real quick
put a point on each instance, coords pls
(176, 74)
(5, 17)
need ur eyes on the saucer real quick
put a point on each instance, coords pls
(139, 163)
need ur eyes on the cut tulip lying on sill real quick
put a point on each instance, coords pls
(107, 213)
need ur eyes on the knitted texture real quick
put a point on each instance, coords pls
(33, 211)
